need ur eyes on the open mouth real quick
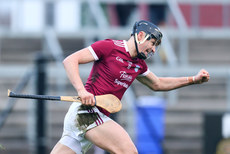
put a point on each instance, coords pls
(149, 53)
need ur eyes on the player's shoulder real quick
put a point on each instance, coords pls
(104, 43)
(110, 45)
(118, 43)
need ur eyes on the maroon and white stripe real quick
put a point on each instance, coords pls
(99, 120)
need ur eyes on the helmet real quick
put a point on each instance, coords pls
(151, 30)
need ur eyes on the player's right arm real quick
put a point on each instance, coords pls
(71, 65)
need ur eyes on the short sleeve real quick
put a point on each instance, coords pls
(145, 70)
(145, 73)
(100, 49)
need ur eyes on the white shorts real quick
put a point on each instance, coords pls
(77, 121)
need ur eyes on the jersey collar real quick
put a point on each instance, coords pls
(126, 47)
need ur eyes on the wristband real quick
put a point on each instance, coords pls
(191, 79)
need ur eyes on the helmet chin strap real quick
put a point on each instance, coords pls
(140, 55)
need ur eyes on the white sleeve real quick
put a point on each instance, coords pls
(93, 53)
(145, 73)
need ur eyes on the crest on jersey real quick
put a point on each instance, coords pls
(136, 68)
(119, 43)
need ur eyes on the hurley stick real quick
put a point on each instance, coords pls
(108, 102)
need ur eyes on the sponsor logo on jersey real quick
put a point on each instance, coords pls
(123, 84)
(129, 64)
(125, 76)
(119, 59)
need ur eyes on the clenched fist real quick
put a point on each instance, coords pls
(202, 76)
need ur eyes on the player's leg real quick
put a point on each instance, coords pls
(61, 149)
(67, 145)
(112, 137)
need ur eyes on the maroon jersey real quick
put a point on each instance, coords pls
(114, 69)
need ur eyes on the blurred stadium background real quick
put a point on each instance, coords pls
(196, 35)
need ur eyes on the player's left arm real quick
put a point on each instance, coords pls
(169, 83)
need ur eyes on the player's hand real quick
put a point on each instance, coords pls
(202, 76)
(86, 97)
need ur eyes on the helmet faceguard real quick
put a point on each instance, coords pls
(151, 31)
